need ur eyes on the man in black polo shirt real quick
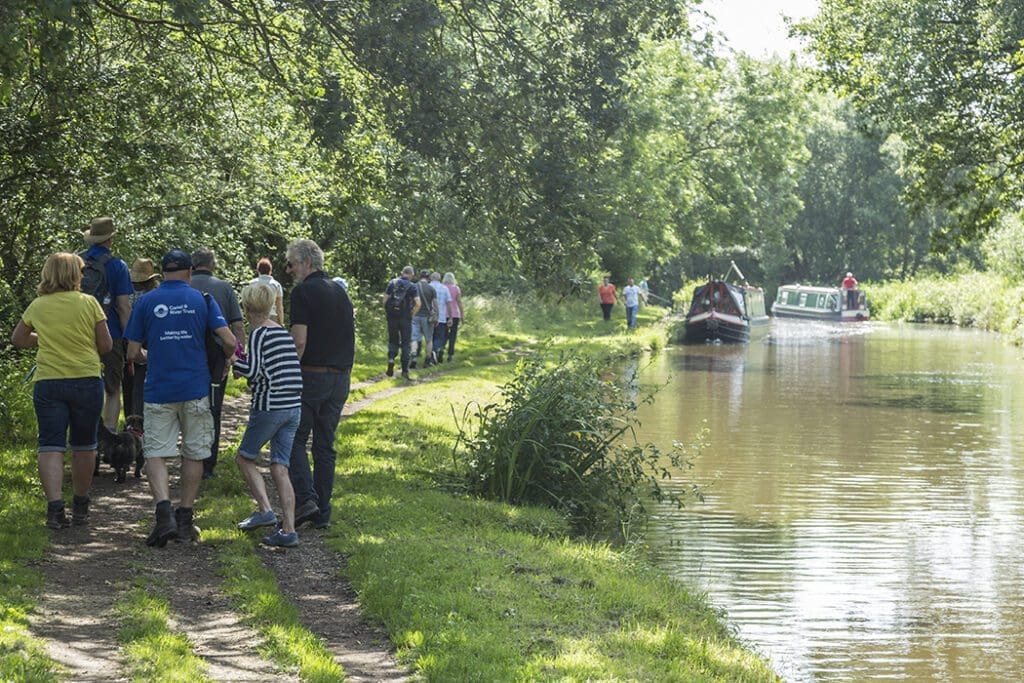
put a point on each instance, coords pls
(322, 325)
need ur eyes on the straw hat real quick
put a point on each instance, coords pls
(143, 270)
(100, 230)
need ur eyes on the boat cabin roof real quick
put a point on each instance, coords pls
(808, 288)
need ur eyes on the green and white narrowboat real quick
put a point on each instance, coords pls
(831, 304)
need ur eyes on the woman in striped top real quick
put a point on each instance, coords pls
(275, 381)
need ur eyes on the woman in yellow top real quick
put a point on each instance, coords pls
(70, 330)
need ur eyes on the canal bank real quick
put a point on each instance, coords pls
(465, 589)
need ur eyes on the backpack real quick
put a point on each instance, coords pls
(215, 359)
(94, 279)
(396, 304)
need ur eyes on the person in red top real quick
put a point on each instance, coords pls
(850, 285)
(606, 292)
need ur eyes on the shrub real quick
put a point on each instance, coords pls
(564, 436)
(17, 417)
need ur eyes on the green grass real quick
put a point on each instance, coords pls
(152, 650)
(472, 590)
(23, 538)
(983, 300)
(467, 589)
(252, 587)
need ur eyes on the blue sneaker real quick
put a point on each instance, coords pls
(280, 539)
(258, 519)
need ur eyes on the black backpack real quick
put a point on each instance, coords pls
(94, 279)
(215, 359)
(396, 304)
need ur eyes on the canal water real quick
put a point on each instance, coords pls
(864, 497)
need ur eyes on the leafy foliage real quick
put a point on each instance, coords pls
(945, 75)
(563, 436)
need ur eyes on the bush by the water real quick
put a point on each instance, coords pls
(563, 435)
(984, 300)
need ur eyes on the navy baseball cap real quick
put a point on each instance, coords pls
(175, 260)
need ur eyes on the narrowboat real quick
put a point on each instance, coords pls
(831, 304)
(722, 311)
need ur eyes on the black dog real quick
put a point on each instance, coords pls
(121, 449)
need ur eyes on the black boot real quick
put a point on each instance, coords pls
(165, 528)
(80, 510)
(56, 515)
(187, 531)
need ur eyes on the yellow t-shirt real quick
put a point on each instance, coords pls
(66, 325)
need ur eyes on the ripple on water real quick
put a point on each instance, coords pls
(864, 499)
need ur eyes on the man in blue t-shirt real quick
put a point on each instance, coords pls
(115, 303)
(171, 322)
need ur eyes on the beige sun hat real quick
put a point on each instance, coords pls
(99, 230)
(143, 270)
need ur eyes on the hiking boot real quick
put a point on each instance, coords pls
(307, 512)
(412, 364)
(57, 519)
(280, 539)
(164, 530)
(390, 372)
(258, 519)
(80, 513)
(406, 376)
(187, 532)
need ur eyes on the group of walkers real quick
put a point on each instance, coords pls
(632, 296)
(168, 341)
(423, 314)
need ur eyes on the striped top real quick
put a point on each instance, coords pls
(272, 367)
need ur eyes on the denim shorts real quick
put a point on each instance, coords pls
(63, 403)
(276, 426)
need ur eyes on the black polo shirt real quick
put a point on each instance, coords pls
(325, 309)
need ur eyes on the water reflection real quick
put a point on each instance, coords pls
(863, 498)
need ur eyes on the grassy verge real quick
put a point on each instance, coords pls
(253, 588)
(983, 300)
(467, 589)
(22, 538)
(472, 590)
(152, 650)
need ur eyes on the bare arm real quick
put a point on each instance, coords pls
(24, 337)
(124, 311)
(135, 353)
(415, 304)
(299, 337)
(279, 305)
(103, 340)
(238, 329)
(227, 340)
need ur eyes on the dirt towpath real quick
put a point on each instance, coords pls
(89, 568)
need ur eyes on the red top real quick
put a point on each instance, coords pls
(850, 283)
(607, 293)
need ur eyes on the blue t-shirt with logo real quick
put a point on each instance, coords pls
(171, 323)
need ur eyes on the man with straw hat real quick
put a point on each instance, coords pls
(106, 278)
(145, 278)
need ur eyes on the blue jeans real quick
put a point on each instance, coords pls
(276, 426)
(323, 397)
(68, 403)
(631, 316)
(440, 338)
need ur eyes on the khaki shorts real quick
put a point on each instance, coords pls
(165, 421)
(113, 367)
